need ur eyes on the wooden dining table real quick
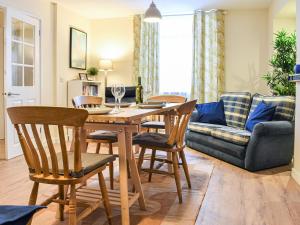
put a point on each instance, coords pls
(125, 123)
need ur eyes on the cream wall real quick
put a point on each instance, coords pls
(246, 50)
(288, 24)
(64, 20)
(113, 39)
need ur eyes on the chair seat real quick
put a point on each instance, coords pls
(90, 162)
(103, 135)
(152, 140)
(154, 125)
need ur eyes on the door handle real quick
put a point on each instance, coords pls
(10, 93)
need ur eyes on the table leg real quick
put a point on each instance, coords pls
(123, 178)
(134, 170)
(168, 129)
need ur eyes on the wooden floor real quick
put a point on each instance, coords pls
(234, 196)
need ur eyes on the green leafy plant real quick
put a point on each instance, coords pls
(283, 62)
(92, 71)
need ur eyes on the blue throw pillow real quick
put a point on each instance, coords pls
(262, 112)
(212, 112)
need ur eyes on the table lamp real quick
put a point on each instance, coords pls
(105, 65)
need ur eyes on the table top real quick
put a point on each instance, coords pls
(126, 115)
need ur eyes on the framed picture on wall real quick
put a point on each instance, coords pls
(78, 49)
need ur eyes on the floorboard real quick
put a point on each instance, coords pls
(234, 196)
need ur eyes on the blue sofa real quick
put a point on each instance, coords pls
(270, 144)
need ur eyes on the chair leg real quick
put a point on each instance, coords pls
(141, 159)
(185, 168)
(98, 148)
(86, 146)
(34, 193)
(72, 206)
(105, 198)
(177, 176)
(33, 197)
(151, 164)
(111, 168)
(128, 170)
(61, 206)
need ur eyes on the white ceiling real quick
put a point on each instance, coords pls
(124, 8)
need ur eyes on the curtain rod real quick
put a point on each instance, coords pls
(190, 14)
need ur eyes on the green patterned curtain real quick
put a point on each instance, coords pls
(208, 56)
(146, 53)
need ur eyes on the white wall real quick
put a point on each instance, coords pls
(296, 168)
(113, 39)
(44, 11)
(65, 19)
(246, 51)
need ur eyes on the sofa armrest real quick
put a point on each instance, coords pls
(195, 116)
(273, 128)
(271, 144)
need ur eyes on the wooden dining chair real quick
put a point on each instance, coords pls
(53, 164)
(100, 136)
(159, 124)
(173, 143)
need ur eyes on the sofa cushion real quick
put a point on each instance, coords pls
(203, 128)
(212, 112)
(218, 145)
(236, 106)
(285, 105)
(233, 135)
(262, 113)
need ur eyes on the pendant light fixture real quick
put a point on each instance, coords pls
(152, 15)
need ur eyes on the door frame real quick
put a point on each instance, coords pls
(5, 8)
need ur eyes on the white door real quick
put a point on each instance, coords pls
(22, 70)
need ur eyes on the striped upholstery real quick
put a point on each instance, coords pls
(236, 106)
(285, 105)
(203, 128)
(230, 134)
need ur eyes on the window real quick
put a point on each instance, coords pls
(22, 53)
(176, 43)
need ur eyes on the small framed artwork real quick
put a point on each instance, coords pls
(83, 76)
(78, 49)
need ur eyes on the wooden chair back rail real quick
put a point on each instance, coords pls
(168, 99)
(36, 157)
(182, 118)
(87, 101)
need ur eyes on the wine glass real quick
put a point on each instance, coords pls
(120, 91)
(114, 93)
(147, 91)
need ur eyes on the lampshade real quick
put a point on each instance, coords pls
(152, 15)
(106, 65)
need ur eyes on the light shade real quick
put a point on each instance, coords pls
(152, 15)
(106, 65)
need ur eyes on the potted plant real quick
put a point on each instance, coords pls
(92, 72)
(282, 62)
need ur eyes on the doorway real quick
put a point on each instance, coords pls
(2, 120)
(20, 72)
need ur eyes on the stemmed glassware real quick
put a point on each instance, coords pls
(147, 92)
(120, 94)
(118, 91)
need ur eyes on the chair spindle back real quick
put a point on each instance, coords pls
(87, 101)
(182, 117)
(40, 160)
